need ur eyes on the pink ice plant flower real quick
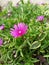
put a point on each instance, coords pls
(19, 30)
(40, 18)
(2, 27)
(1, 42)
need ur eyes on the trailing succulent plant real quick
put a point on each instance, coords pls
(24, 34)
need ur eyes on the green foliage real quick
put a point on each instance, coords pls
(20, 51)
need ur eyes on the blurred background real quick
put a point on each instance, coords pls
(4, 3)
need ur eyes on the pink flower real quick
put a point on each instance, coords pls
(19, 30)
(1, 42)
(40, 18)
(1, 27)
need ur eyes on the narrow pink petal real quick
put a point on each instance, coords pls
(15, 26)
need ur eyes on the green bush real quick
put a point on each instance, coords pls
(25, 49)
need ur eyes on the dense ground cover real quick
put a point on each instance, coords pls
(24, 34)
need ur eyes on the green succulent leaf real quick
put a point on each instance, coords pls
(47, 56)
(35, 45)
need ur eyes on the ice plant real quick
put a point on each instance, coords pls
(1, 27)
(1, 42)
(19, 30)
(40, 18)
